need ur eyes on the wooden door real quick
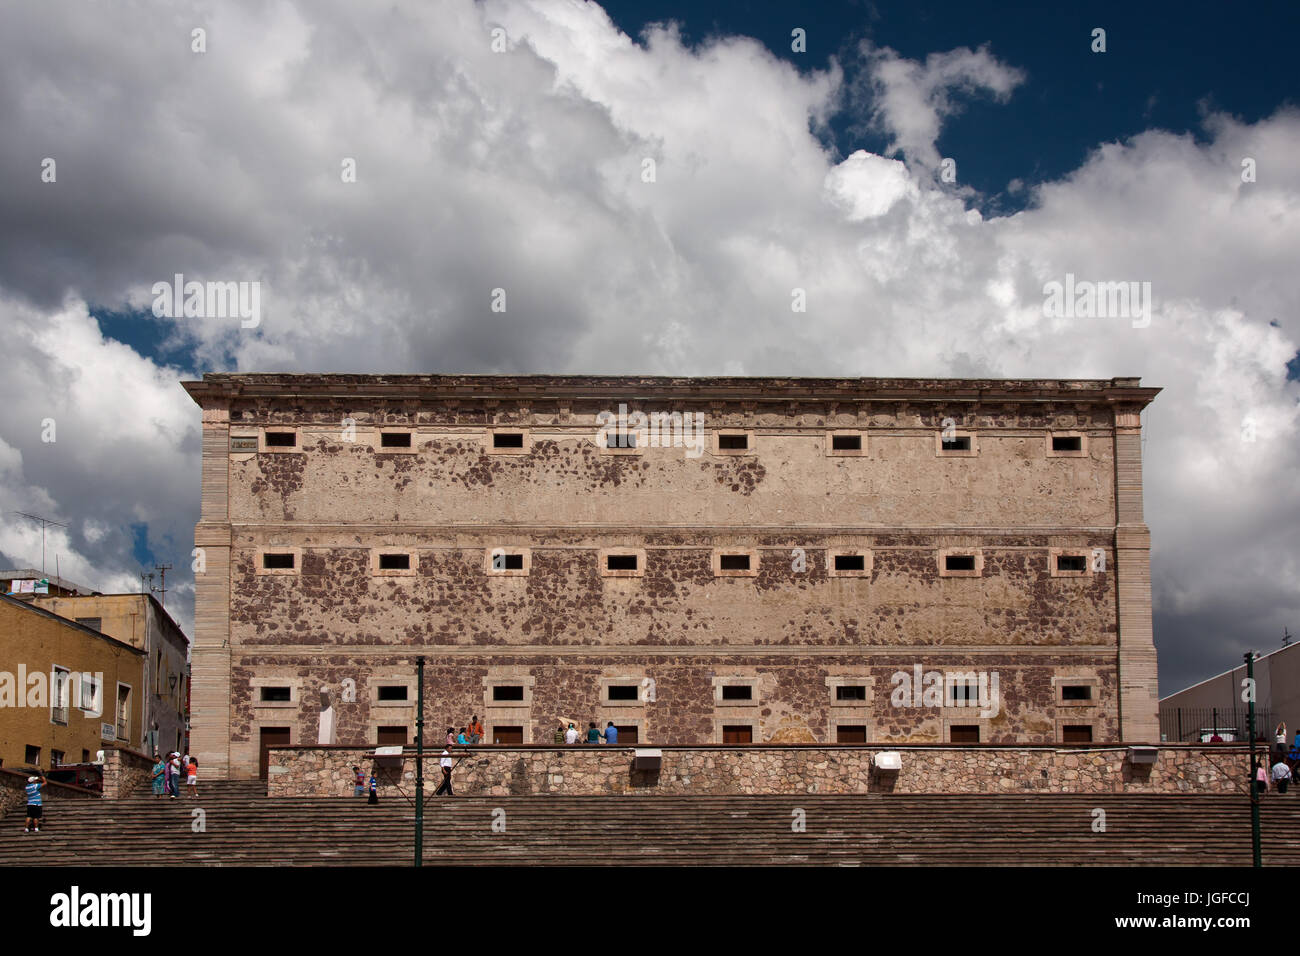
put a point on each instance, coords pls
(738, 735)
(271, 737)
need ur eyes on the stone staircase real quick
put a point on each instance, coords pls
(245, 827)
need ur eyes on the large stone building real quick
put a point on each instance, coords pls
(771, 560)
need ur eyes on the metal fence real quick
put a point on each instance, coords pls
(1198, 724)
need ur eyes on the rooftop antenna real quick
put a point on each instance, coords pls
(1286, 636)
(44, 522)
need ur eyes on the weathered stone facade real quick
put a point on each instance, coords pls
(581, 771)
(296, 467)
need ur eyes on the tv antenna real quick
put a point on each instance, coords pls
(162, 570)
(44, 522)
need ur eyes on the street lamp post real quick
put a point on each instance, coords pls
(1254, 786)
(419, 761)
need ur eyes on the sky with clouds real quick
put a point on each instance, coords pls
(522, 167)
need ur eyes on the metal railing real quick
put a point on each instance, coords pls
(1198, 724)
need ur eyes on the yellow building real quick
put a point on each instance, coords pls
(65, 690)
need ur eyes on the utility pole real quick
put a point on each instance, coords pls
(162, 570)
(1254, 787)
(419, 761)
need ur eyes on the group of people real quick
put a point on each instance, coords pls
(1285, 764)
(166, 778)
(468, 736)
(594, 735)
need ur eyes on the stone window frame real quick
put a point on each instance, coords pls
(523, 572)
(621, 718)
(387, 720)
(263, 550)
(376, 440)
(508, 680)
(867, 564)
(754, 723)
(489, 445)
(622, 681)
(378, 572)
(1076, 721)
(243, 454)
(255, 733)
(716, 563)
(749, 449)
(836, 721)
(977, 553)
(834, 681)
(1059, 684)
(1085, 553)
(374, 682)
(833, 452)
(490, 724)
(604, 449)
(255, 685)
(737, 680)
(130, 690)
(264, 449)
(638, 553)
(970, 718)
(97, 694)
(1067, 433)
(941, 452)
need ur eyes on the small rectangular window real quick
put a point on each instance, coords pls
(243, 443)
(1076, 692)
(737, 692)
(620, 562)
(1067, 443)
(964, 734)
(394, 692)
(850, 562)
(508, 692)
(851, 734)
(734, 562)
(507, 562)
(1076, 734)
(276, 695)
(390, 736)
(959, 562)
(32, 756)
(1071, 562)
(94, 623)
(733, 442)
(733, 734)
(273, 559)
(507, 439)
(851, 692)
(623, 691)
(281, 439)
(395, 440)
(956, 443)
(56, 758)
(963, 692)
(620, 439)
(394, 562)
(846, 443)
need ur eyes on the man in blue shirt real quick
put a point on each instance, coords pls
(611, 733)
(34, 785)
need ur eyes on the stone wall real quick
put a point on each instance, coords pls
(13, 791)
(126, 772)
(578, 771)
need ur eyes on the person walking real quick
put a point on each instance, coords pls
(475, 730)
(192, 776)
(559, 734)
(445, 786)
(175, 768)
(571, 735)
(611, 733)
(451, 736)
(358, 782)
(593, 734)
(373, 799)
(1261, 778)
(34, 809)
(159, 776)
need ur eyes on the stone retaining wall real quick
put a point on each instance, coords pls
(577, 771)
(13, 791)
(126, 772)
